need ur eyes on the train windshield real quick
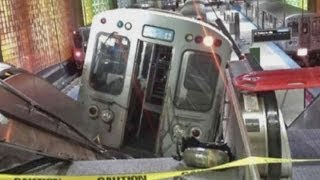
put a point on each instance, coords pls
(295, 28)
(77, 40)
(109, 64)
(197, 82)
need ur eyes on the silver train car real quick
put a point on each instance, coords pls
(161, 4)
(149, 81)
(194, 9)
(151, 78)
(304, 24)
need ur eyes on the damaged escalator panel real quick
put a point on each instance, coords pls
(266, 122)
(41, 121)
(20, 135)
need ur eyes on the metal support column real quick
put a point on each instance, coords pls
(237, 26)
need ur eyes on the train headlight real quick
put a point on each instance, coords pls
(189, 37)
(196, 132)
(103, 20)
(77, 54)
(198, 39)
(107, 116)
(208, 41)
(128, 26)
(93, 111)
(120, 24)
(302, 52)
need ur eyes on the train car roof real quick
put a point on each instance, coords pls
(162, 13)
(278, 8)
(165, 11)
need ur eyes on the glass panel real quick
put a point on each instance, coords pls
(197, 82)
(109, 64)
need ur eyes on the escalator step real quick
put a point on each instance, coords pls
(304, 143)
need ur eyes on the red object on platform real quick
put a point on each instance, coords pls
(283, 79)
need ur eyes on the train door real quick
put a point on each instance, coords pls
(305, 32)
(106, 85)
(148, 91)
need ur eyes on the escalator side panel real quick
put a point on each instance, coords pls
(271, 112)
(11, 156)
(55, 102)
(274, 133)
(15, 108)
(309, 118)
(273, 124)
(236, 135)
(32, 139)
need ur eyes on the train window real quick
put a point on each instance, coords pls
(314, 28)
(197, 82)
(266, 17)
(77, 39)
(274, 23)
(109, 63)
(305, 28)
(295, 28)
(319, 27)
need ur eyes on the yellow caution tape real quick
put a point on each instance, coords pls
(159, 175)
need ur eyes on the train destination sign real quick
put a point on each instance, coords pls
(158, 33)
(266, 35)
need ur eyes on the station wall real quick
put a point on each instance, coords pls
(35, 34)
(93, 7)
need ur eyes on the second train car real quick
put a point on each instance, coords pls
(305, 41)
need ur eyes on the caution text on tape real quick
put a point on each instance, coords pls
(160, 175)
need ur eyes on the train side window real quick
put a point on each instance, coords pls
(319, 27)
(305, 26)
(295, 28)
(314, 28)
(197, 81)
(77, 39)
(274, 23)
(109, 64)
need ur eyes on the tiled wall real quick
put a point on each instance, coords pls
(299, 3)
(125, 3)
(93, 7)
(35, 34)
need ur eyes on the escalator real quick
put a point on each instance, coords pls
(304, 140)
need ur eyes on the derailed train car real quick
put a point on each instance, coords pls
(136, 66)
(149, 82)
